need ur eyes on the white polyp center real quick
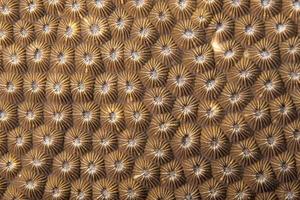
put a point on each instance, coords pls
(159, 153)
(132, 142)
(31, 7)
(10, 165)
(87, 115)
(2, 34)
(129, 87)
(172, 175)
(3, 115)
(112, 117)
(137, 116)
(220, 27)
(104, 88)
(139, 3)
(113, 55)
(296, 5)
(296, 134)
(200, 59)
(163, 127)
(81, 86)
(10, 87)
(182, 4)
(19, 141)
(37, 55)
(246, 152)
(249, 30)
(210, 113)
(265, 3)
(197, 169)
(55, 192)
(271, 140)
(105, 193)
(69, 31)
(47, 140)
(260, 177)
(5, 10)
(75, 6)
(77, 142)
(30, 184)
(189, 34)
(265, 54)
(58, 116)
(66, 166)
(210, 84)
(269, 85)
(186, 141)
(24, 33)
(229, 53)
(14, 58)
(144, 32)
(258, 113)
(36, 162)
(119, 165)
(88, 58)
(99, 3)
(214, 144)
(234, 98)
(280, 27)
(158, 100)
(46, 28)
(166, 50)
(57, 88)
(92, 168)
(162, 16)
(62, 58)
(153, 74)
(236, 3)
(135, 55)
(120, 23)
(95, 29)
(180, 80)
(244, 73)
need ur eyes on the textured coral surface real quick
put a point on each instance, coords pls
(149, 99)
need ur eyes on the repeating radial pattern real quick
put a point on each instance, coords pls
(150, 99)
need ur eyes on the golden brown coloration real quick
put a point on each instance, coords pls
(9, 11)
(14, 59)
(23, 32)
(214, 6)
(135, 55)
(31, 184)
(95, 30)
(66, 166)
(137, 116)
(86, 116)
(105, 88)
(77, 142)
(48, 140)
(235, 127)
(171, 175)
(6, 30)
(290, 75)
(292, 136)
(105, 189)
(58, 88)
(75, 9)
(62, 59)
(82, 87)
(290, 50)
(199, 59)
(210, 113)
(132, 142)
(8, 116)
(31, 10)
(118, 165)
(187, 191)
(81, 189)
(214, 143)
(220, 29)
(271, 141)
(13, 192)
(236, 9)
(160, 192)
(257, 114)
(158, 100)
(112, 117)
(120, 23)
(153, 74)
(182, 10)
(288, 190)
(163, 126)
(162, 18)
(46, 29)
(201, 17)
(265, 9)
(112, 53)
(246, 151)
(19, 141)
(185, 109)
(248, 30)
(260, 177)
(37, 57)
(101, 8)
(212, 189)
(209, 84)
(92, 166)
(37, 162)
(56, 188)
(239, 191)
(139, 8)
(58, 116)
(146, 172)
(131, 189)
(105, 141)
(226, 170)
(88, 59)
(3, 143)
(54, 7)
(187, 35)
(68, 32)
(11, 87)
(10, 165)
(130, 87)
(185, 142)
(144, 32)
(158, 151)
